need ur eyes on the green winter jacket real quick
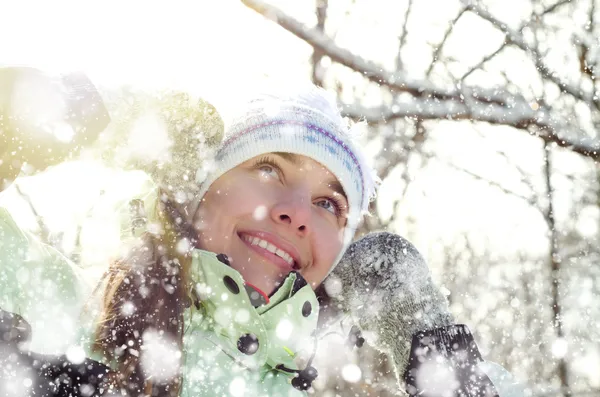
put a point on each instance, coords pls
(40, 284)
(230, 347)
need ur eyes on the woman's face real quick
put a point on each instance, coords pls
(273, 214)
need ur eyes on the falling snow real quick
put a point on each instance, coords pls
(487, 145)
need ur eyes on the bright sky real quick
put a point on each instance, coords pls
(200, 45)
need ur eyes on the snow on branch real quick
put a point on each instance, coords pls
(520, 116)
(375, 73)
(440, 47)
(429, 101)
(517, 39)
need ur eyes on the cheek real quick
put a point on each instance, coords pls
(327, 243)
(255, 201)
(213, 221)
(331, 238)
(226, 206)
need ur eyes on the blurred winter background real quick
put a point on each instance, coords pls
(483, 124)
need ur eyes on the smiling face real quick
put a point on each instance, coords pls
(273, 214)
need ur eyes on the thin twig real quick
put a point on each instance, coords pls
(318, 54)
(534, 199)
(533, 195)
(517, 39)
(537, 16)
(555, 265)
(495, 106)
(554, 7)
(44, 231)
(440, 47)
(528, 200)
(521, 29)
(482, 62)
(402, 38)
(394, 81)
(589, 63)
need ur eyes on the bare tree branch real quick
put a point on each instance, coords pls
(44, 234)
(440, 47)
(402, 39)
(587, 62)
(493, 106)
(528, 200)
(517, 39)
(482, 62)
(534, 199)
(370, 70)
(519, 117)
(317, 54)
(554, 6)
(536, 17)
(555, 265)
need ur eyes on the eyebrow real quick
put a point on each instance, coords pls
(291, 158)
(336, 186)
(296, 160)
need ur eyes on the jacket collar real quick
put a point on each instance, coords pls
(275, 333)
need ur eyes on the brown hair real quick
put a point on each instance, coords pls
(147, 290)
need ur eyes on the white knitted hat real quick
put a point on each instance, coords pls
(304, 121)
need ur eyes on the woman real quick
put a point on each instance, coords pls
(218, 299)
(222, 280)
(215, 296)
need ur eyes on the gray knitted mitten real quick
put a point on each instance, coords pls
(387, 288)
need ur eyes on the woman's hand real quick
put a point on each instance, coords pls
(45, 119)
(27, 373)
(387, 288)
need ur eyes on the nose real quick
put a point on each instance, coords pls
(294, 211)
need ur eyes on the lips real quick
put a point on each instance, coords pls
(272, 248)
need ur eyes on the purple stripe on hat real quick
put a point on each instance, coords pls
(311, 127)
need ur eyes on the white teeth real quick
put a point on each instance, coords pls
(285, 256)
(270, 247)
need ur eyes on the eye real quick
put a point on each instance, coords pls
(329, 204)
(268, 170)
